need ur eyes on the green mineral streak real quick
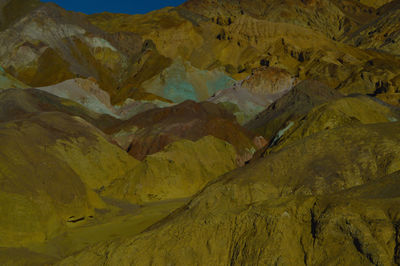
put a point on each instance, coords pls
(220, 83)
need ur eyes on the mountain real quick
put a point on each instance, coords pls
(150, 131)
(245, 38)
(178, 171)
(251, 132)
(68, 159)
(136, 56)
(326, 199)
(49, 45)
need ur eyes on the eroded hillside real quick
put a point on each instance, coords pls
(212, 133)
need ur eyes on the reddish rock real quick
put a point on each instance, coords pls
(151, 131)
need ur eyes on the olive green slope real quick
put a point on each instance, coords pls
(178, 171)
(293, 207)
(344, 111)
(13, 10)
(23, 256)
(50, 165)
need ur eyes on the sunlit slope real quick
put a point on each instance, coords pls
(51, 164)
(304, 204)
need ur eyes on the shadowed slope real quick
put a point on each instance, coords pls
(13, 10)
(381, 33)
(296, 103)
(16, 103)
(337, 113)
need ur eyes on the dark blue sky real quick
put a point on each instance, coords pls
(115, 6)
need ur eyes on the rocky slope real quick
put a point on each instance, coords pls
(151, 131)
(293, 105)
(310, 203)
(250, 34)
(178, 171)
(375, 4)
(88, 93)
(49, 45)
(213, 133)
(95, 181)
(251, 96)
(344, 111)
(328, 177)
(381, 33)
(16, 104)
(51, 163)
(7, 81)
(13, 10)
(136, 56)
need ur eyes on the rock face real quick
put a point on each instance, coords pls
(332, 14)
(270, 82)
(334, 203)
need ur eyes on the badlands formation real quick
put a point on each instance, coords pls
(252, 132)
